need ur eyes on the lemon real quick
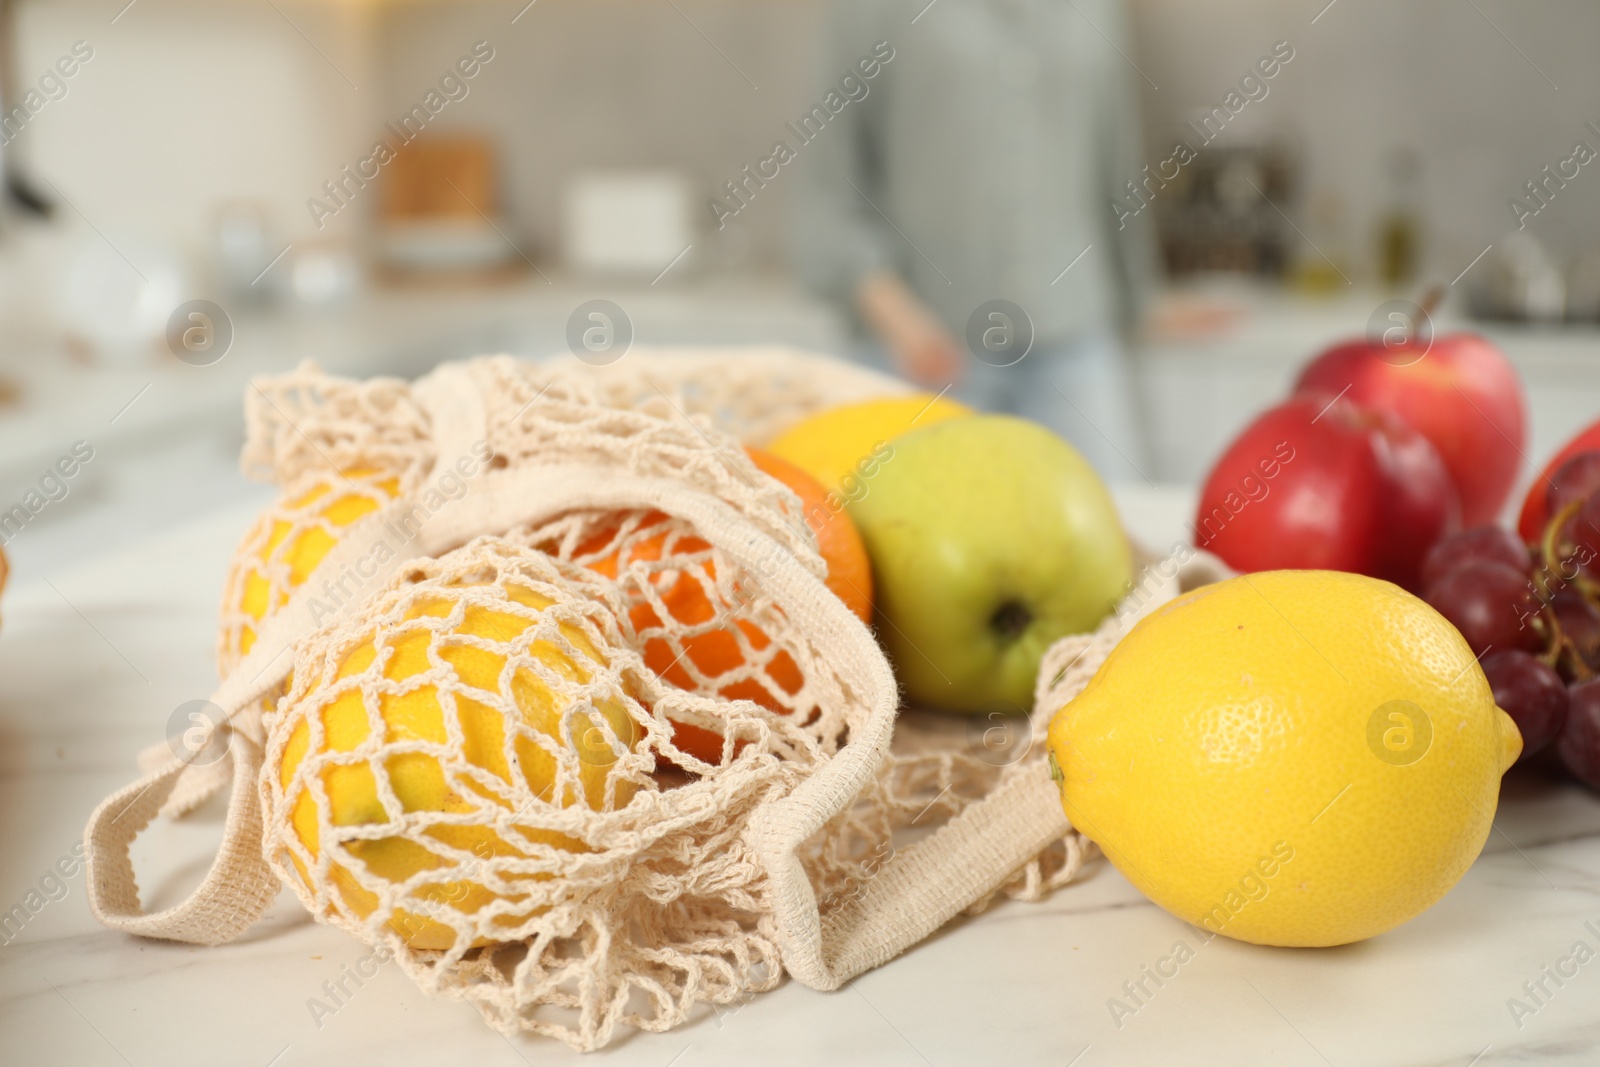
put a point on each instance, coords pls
(419, 780)
(1290, 758)
(298, 531)
(846, 442)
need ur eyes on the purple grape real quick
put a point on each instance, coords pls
(1576, 479)
(1580, 625)
(1494, 544)
(1491, 604)
(1575, 540)
(1532, 693)
(1579, 743)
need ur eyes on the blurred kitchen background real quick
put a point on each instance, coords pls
(177, 160)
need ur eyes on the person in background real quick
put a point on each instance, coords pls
(981, 164)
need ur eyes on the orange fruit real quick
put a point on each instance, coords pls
(720, 651)
(849, 570)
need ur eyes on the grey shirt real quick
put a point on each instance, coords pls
(981, 162)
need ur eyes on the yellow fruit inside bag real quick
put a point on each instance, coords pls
(287, 543)
(474, 678)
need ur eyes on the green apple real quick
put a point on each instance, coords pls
(990, 538)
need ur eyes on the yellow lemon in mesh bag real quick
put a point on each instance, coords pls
(1297, 758)
(288, 542)
(493, 677)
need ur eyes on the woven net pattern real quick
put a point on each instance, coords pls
(281, 550)
(308, 421)
(469, 774)
(626, 897)
(338, 450)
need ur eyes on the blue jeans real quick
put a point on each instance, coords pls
(1081, 389)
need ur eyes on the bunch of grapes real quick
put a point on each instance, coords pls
(1532, 615)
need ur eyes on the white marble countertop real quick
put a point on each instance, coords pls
(96, 656)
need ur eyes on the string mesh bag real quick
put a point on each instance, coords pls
(706, 631)
(758, 812)
(466, 773)
(362, 453)
(364, 450)
(339, 449)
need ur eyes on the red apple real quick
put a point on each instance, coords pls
(1460, 392)
(1319, 483)
(1535, 507)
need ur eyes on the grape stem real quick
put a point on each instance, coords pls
(1549, 546)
